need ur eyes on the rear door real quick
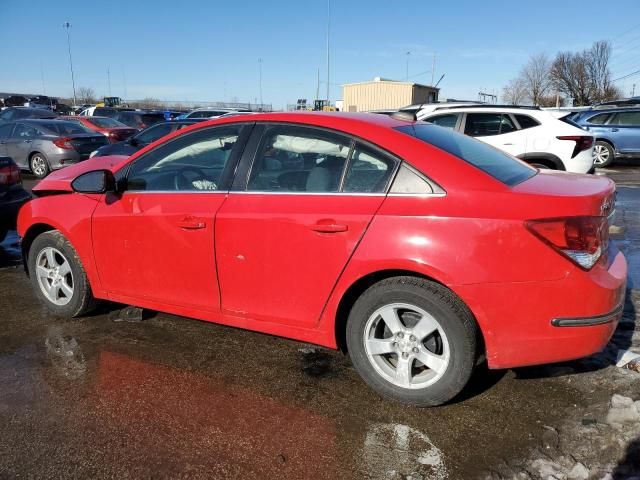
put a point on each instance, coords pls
(626, 128)
(18, 145)
(302, 200)
(497, 129)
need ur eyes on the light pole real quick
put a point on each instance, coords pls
(408, 55)
(67, 25)
(328, 25)
(260, 74)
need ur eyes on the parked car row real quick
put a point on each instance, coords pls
(42, 145)
(528, 133)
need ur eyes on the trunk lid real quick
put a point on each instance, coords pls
(569, 194)
(86, 143)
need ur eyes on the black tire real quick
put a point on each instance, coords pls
(82, 300)
(451, 314)
(606, 158)
(39, 165)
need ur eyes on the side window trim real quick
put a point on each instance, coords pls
(437, 190)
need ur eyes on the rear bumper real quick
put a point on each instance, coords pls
(520, 321)
(65, 158)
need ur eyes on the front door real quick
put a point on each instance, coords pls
(283, 241)
(156, 241)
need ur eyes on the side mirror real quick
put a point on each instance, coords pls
(96, 181)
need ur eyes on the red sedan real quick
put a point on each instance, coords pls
(114, 130)
(416, 249)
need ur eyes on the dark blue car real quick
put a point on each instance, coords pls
(616, 130)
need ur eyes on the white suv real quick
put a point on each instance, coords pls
(528, 133)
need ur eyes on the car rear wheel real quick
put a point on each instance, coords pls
(57, 276)
(603, 154)
(412, 340)
(39, 165)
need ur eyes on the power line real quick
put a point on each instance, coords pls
(626, 76)
(625, 32)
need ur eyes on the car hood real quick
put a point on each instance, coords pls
(60, 180)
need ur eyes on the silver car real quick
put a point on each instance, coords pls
(45, 145)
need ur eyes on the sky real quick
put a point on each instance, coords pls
(210, 50)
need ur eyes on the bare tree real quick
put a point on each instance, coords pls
(585, 76)
(535, 77)
(86, 95)
(515, 92)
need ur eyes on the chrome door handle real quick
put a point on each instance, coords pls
(329, 227)
(192, 223)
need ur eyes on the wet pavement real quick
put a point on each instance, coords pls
(170, 397)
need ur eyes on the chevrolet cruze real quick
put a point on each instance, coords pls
(418, 250)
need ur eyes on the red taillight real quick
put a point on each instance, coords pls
(583, 142)
(582, 239)
(10, 175)
(63, 143)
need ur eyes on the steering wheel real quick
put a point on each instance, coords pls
(181, 182)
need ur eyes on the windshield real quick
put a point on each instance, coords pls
(490, 160)
(60, 127)
(106, 122)
(152, 134)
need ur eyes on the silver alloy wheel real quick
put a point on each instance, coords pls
(406, 345)
(600, 154)
(38, 165)
(54, 276)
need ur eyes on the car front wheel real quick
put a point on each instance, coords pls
(57, 276)
(412, 340)
(603, 154)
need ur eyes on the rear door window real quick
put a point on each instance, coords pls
(24, 131)
(626, 118)
(299, 159)
(482, 156)
(487, 124)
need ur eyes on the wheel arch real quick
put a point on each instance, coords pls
(606, 140)
(544, 158)
(358, 287)
(30, 235)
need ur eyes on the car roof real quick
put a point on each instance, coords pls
(611, 110)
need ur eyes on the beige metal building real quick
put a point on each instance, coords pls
(382, 94)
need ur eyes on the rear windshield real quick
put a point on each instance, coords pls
(105, 122)
(488, 159)
(61, 127)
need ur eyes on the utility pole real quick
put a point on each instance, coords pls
(328, 24)
(260, 74)
(407, 71)
(318, 86)
(633, 90)
(433, 68)
(44, 90)
(124, 82)
(67, 26)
